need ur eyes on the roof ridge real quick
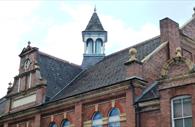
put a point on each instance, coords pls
(138, 44)
(58, 59)
(147, 90)
(69, 83)
(2, 100)
(187, 22)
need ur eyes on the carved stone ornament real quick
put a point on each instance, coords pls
(178, 59)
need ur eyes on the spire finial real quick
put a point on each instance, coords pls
(194, 12)
(29, 43)
(95, 8)
(10, 85)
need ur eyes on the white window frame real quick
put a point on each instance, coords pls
(172, 111)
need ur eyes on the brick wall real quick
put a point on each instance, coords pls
(165, 102)
(150, 118)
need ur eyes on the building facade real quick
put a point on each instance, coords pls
(151, 84)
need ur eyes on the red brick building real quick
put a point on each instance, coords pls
(151, 84)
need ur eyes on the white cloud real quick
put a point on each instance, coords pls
(60, 40)
(12, 26)
(65, 41)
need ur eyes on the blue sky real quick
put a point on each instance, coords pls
(55, 26)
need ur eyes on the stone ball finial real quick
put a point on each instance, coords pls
(193, 15)
(10, 85)
(95, 9)
(178, 52)
(133, 54)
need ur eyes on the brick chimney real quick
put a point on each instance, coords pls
(169, 31)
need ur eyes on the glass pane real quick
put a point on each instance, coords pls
(179, 123)
(98, 46)
(53, 125)
(115, 112)
(177, 108)
(187, 107)
(114, 124)
(188, 122)
(114, 118)
(90, 46)
(65, 123)
(97, 120)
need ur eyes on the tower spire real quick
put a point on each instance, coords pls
(95, 9)
(94, 38)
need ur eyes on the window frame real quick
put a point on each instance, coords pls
(172, 110)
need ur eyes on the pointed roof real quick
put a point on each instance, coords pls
(94, 23)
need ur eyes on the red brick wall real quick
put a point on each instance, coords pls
(58, 118)
(169, 31)
(152, 67)
(87, 112)
(150, 118)
(165, 102)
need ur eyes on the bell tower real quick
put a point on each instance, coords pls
(94, 38)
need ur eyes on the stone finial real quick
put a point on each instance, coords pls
(133, 54)
(193, 15)
(29, 43)
(178, 52)
(10, 85)
(95, 8)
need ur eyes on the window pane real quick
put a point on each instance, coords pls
(188, 122)
(98, 46)
(97, 120)
(65, 123)
(187, 107)
(53, 125)
(177, 108)
(114, 118)
(179, 123)
(114, 124)
(90, 46)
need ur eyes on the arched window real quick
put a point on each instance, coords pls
(98, 46)
(65, 123)
(52, 124)
(114, 118)
(181, 111)
(97, 120)
(90, 46)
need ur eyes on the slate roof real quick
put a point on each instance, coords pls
(106, 72)
(94, 24)
(2, 106)
(149, 93)
(89, 61)
(57, 72)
